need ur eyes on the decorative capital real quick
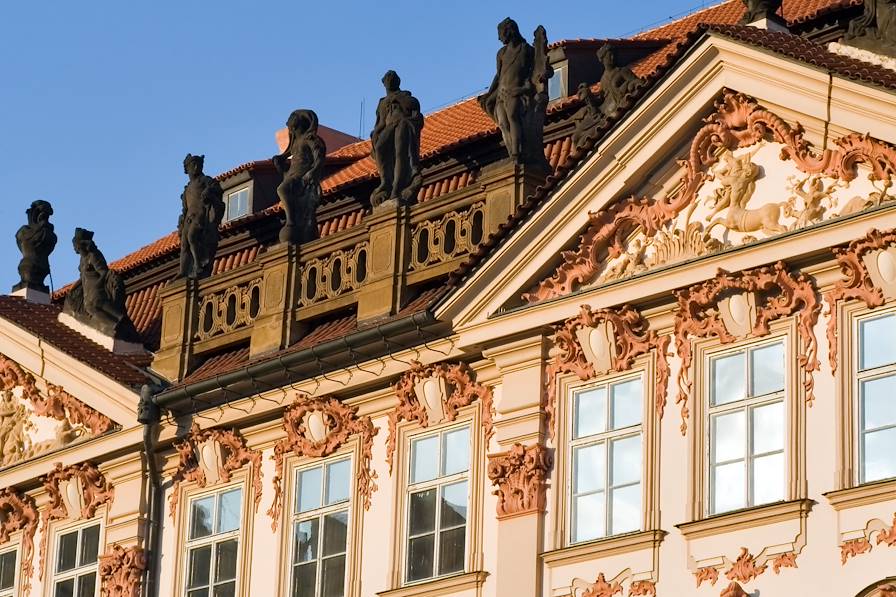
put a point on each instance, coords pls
(121, 571)
(520, 476)
(18, 512)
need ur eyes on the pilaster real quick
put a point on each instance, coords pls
(390, 239)
(506, 186)
(275, 327)
(180, 307)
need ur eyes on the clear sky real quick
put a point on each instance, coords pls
(101, 100)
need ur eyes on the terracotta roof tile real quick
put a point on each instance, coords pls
(218, 364)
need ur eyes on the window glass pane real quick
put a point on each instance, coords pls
(309, 489)
(627, 401)
(420, 557)
(338, 481)
(198, 592)
(304, 579)
(90, 545)
(65, 588)
(768, 428)
(591, 412)
(201, 512)
(87, 585)
(589, 517)
(456, 451)
(451, 550)
(589, 464)
(768, 369)
(728, 439)
(200, 566)
(768, 479)
(626, 509)
(229, 511)
(729, 376)
(305, 540)
(332, 582)
(877, 347)
(423, 512)
(335, 533)
(425, 459)
(878, 450)
(454, 505)
(225, 561)
(879, 402)
(225, 590)
(627, 460)
(68, 549)
(7, 570)
(729, 485)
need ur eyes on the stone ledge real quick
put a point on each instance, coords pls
(603, 548)
(440, 586)
(862, 495)
(742, 519)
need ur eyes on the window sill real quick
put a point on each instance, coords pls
(602, 548)
(862, 495)
(439, 586)
(742, 519)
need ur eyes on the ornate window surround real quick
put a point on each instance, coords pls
(57, 528)
(20, 522)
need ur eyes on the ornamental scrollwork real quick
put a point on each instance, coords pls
(642, 588)
(230, 309)
(432, 394)
(708, 574)
(207, 457)
(595, 342)
(454, 234)
(520, 479)
(18, 512)
(853, 548)
(743, 304)
(339, 272)
(734, 590)
(745, 568)
(316, 427)
(121, 571)
(602, 588)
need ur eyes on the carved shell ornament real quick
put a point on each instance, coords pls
(317, 427)
(432, 394)
(597, 342)
(739, 305)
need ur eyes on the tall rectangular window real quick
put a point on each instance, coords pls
(877, 398)
(747, 423)
(320, 529)
(607, 460)
(438, 494)
(75, 564)
(8, 567)
(237, 204)
(213, 544)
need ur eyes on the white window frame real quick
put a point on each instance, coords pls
(214, 538)
(76, 572)
(14, 549)
(248, 190)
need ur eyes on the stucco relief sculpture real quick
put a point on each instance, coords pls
(518, 96)
(743, 304)
(207, 457)
(201, 215)
(98, 297)
(520, 478)
(432, 394)
(316, 428)
(36, 240)
(302, 165)
(602, 588)
(734, 590)
(875, 532)
(719, 202)
(745, 568)
(18, 512)
(869, 274)
(759, 9)
(875, 29)
(121, 571)
(596, 342)
(642, 588)
(395, 144)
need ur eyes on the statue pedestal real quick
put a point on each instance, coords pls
(506, 185)
(32, 295)
(275, 327)
(389, 232)
(179, 321)
(110, 343)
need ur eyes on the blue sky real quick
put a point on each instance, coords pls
(101, 100)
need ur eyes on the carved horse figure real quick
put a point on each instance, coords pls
(738, 176)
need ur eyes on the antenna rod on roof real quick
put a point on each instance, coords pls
(361, 121)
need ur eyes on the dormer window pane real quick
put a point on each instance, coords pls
(237, 204)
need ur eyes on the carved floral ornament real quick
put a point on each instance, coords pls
(316, 428)
(739, 305)
(520, 477)
(433, 394)
(869, 268)
(885, 535)
(744, 569)
(18, 512)
(121, 571)
(739, 122)
(597, 342)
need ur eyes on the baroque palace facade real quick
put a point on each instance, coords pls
(629, 331)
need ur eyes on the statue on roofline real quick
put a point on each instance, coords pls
(203, 210)
(760, 9)
(395, 144)
(36, 240)
(518, 96)
(302, 165)
(875, 29)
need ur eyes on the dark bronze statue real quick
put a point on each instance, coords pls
(302, 165)
(587, 118)
(875, 29)
(36, 241)
(97, 298)
(395, 142)
(518, 96)
(759, 9)
(203, 210)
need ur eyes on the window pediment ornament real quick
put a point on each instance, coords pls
(745, 568)
(602, 588)
(520, 477)
(432, 394)
(18, 512)
(597, 342)
(121, 571)
(738, 122)
(869, 269)
(317, 427)
(210, 456)
(876, 532)
(740, 305)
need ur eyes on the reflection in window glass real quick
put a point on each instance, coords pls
(77, 552)
(877, 398)
(213, 546)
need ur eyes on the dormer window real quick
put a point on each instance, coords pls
(237, 204)
(557, 87)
